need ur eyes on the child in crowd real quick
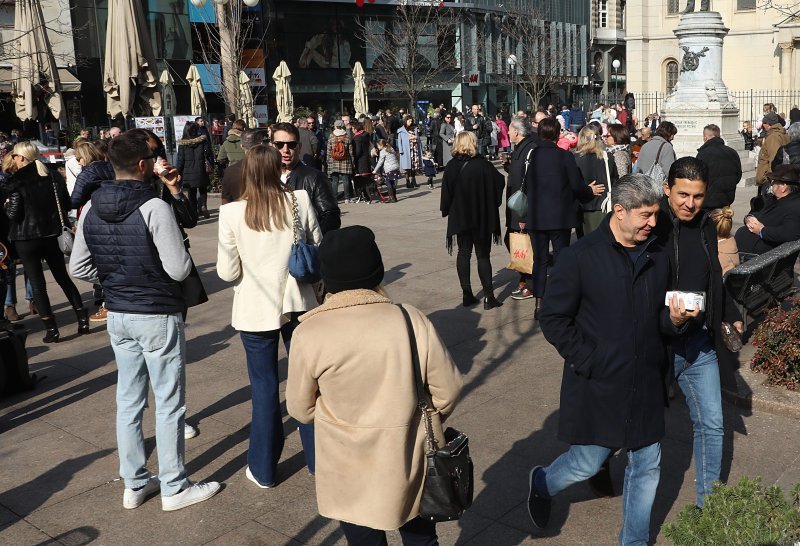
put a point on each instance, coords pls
(429, 167)
(728, 251)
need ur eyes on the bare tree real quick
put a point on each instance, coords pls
(545, 58)
(790, 8)
(226, 43)
(414, 49)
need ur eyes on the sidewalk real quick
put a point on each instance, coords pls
(59, 478)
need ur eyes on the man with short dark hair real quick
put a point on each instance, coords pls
(232, 179)
(724, 169)
(129, 239)
(308, 143)
(298, 176)
(604, 312)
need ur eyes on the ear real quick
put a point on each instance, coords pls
(619, 211)
(666, 189)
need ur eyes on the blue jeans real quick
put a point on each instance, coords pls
(266, 428)
(345, 179)
(697, 372)
(582, 462)
(11, 286)
(150, 347)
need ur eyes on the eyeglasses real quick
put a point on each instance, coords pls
(292, 144)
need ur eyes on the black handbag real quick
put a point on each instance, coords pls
(194, 293)
(448, 487)
(304, 258)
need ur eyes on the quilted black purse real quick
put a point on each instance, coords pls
(448, 488)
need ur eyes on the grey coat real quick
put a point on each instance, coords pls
(448, 134)
(648, 153)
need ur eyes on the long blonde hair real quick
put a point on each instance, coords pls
(29, 151)
(588, 143)
(266, 196)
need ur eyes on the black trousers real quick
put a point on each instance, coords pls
(32, 252)
(417, 532)
(466, 242)
(541, 248)
(196, 202)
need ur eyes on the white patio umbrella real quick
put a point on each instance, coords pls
(283, 94)
(360, 101)
(198, 95)
(168, 99)
(130, 65)
(34, 71)
(246, 100)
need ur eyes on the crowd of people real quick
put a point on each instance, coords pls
(646, 223)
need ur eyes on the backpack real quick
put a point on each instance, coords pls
(338, 152)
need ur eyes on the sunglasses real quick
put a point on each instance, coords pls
(292, 144)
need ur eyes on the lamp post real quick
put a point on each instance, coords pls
(512, 64)
(616, 64)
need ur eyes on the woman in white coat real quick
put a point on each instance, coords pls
(255, 240)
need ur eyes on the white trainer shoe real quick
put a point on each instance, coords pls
(255, 481)
(135, 498)
(196, 492)
(189, 431)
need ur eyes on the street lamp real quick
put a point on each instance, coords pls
(616, 64)
(512, 64)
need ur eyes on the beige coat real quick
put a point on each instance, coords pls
(728, 254)
(258, 263)
(774, 139)
(350, 372)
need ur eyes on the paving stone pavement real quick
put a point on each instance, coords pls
(59, 475)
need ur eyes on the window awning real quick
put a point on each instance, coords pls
(69, 83)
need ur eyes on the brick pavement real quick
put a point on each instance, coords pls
(58, 480)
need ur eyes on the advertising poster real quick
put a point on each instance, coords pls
(153, 123)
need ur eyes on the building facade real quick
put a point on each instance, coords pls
(607, 54)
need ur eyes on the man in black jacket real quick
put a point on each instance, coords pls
(298, 176)
(525, 140)
(232, 179)
(779, 221)
(474, 123)
(690, 238)
(724, 169)
(604, 312)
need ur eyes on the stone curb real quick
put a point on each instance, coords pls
(754, 395)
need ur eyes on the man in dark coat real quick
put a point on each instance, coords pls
(724, 169)
(604, 312)
(232, 179)
(690, 239)
(555, 187)
(779, 221)
(525, 140)
(286, 138)
(474, 123)
(435, 139)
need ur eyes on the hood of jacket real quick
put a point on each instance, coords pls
(234, 136)
(194, 141)
(118, 199)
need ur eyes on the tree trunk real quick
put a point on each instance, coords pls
(228, 56)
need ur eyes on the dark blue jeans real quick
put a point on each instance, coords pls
(417, 532)
(266, 428)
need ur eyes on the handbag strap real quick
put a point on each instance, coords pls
(295, 218)
(658, 153)
(422, 397)
(58, 204)
(607, 200)
(525, 172)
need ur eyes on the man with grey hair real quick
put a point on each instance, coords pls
(525, 140)
(789, 153)
(724, 169)
(604, 312)
(232, 179)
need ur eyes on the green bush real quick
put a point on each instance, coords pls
(777, 343)
(747, 514)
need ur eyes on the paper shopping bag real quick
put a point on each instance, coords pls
(521, 253)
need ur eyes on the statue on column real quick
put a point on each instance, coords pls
(704, 6)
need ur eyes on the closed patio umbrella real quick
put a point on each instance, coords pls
(34, 71)
(130, 65)
(283, 95)
(198, 95)
(168, 100)
(246, 100)
(360, 101)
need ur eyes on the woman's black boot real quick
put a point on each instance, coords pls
(51, 330)
(83, 321)
(490, 302)
(468, 299)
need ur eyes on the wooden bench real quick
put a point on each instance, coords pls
(762, 281)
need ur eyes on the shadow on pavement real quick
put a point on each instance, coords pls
(75, 537)
(310, 531)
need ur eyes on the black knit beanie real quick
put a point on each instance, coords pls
(350, 259)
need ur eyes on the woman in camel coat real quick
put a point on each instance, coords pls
(362, 397)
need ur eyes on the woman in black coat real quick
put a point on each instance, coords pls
(555, 187)
(362, 161)
(194, 161)
(472, 191)
(35, 224)
(595, 165)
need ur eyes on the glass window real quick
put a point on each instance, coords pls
(672, 75)
(672, 7)
(603, 13)
(745, 4)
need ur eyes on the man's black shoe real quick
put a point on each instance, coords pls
(538, 506)
(601, 482)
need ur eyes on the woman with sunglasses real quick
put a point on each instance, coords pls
(37, 208)
(448, 134)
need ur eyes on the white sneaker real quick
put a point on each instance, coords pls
(255, 481)
(196, 492)
(189, 431)
(134, 499)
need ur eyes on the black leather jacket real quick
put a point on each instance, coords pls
(31, 208)
(316, 184)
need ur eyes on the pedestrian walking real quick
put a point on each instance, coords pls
(618, 147)
(194, 161)
(409, 147)
(448, 135)
(255, 239)
(340, 161)
(230, 152)
(472, 191)
(362, 398)
(37, 208)
(362, 162)
(141, 279)
(604, 312)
